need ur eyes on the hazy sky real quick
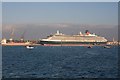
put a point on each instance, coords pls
(40, 18)
(60, 0)
(0, 20)
(81, 13)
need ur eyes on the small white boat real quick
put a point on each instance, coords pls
(29, 47)
(107, 47)
(89, 47)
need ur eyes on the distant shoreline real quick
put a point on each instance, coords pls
(18, 44)
(36, 44)
(23, 44)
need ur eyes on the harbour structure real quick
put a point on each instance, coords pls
(12, 42)
(80, 39)
(3, 41)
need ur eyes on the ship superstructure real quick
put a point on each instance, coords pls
(79, 39)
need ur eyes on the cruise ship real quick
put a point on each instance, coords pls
(80, 39)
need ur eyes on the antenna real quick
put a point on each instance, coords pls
(113, 39)
(22, 36)
(12, 35)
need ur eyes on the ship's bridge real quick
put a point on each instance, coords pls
(91, 35)
(58, 33)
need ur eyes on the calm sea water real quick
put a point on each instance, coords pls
(59, 62)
